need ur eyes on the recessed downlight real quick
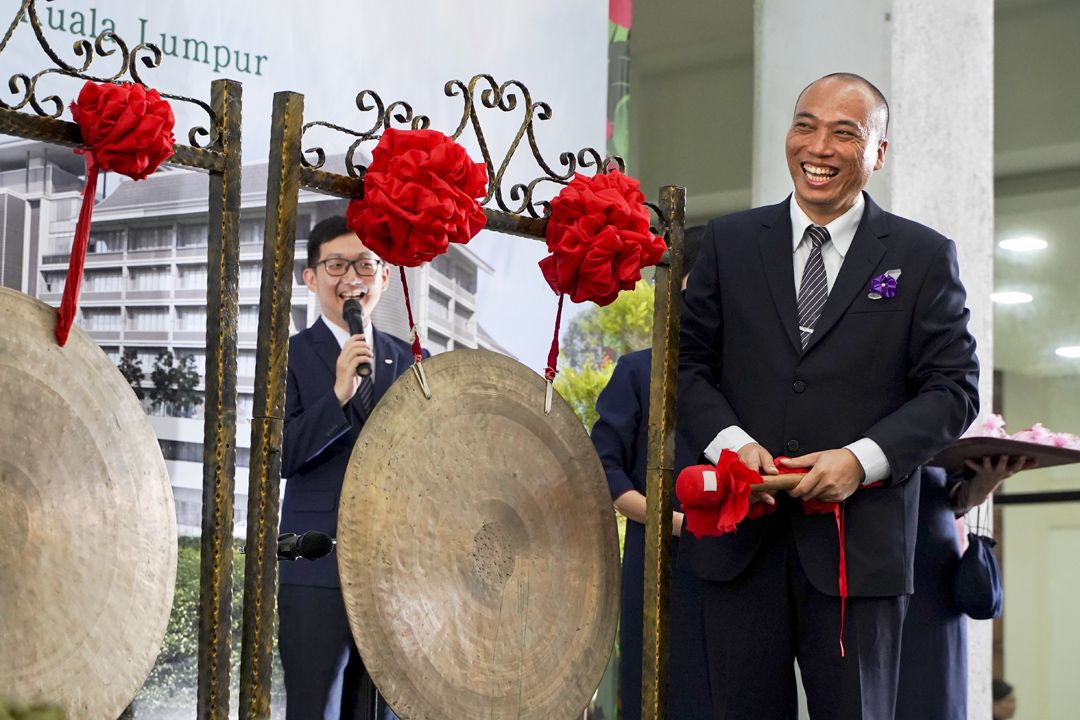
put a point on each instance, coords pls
(1069, 351)
(1011, 297)
(1023, 244)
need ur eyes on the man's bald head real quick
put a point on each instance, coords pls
(881, 117)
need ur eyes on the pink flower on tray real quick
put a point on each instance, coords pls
(1066, 440)
(994, 426)
(1035, 434)
(989, 426)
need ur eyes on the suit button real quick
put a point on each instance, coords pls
(792, 446)
(798, 386)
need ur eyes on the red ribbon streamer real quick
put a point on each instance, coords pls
(418, 354)
(837, 509)
(838, 512)
(553, 355)
(66, 315)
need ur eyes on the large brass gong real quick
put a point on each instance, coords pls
(477, 547)
(88, 557)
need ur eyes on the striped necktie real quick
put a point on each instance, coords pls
(366, 394)
(814, 290)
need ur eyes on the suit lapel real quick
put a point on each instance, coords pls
(776, 257)
(325, 346)
(863, 256)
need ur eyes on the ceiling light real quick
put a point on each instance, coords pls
(1011, 298)
(1069, 351)
(1023, 244)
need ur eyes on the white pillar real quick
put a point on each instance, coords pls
(934, 63)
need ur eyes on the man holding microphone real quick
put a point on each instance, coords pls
(336, 375)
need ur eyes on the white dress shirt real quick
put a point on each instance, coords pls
(341, 335)
(841, 232)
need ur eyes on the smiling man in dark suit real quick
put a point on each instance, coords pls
(326, 405)
(825, 329)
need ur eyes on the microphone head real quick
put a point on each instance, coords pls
(314, 545)
(353, 313)
(352, 306)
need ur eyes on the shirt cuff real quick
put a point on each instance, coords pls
(732, 438)
(872, 458)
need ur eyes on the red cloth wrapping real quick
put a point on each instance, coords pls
(716, 499)
(420, 195)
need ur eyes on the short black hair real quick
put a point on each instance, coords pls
(691, 247)
(1001, 689)
(853, 77)
(324, 231)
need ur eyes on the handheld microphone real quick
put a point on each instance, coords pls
(311, 545)
(354, 316)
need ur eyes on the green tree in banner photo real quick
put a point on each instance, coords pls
(131, 368)
(175, 382)
(595, 339)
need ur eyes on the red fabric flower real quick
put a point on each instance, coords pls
(599, 238)
(127, 127)
(420, 195)
(716, 499)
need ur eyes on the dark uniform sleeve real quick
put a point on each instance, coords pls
(622, 412)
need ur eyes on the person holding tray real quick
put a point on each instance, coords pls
(933, 657)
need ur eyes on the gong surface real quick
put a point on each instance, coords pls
(477, 547)
(88, 559)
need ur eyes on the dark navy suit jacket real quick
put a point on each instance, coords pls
(319, 439)
(901, 371)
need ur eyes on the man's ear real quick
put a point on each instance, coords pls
(309, 279)
(882, 147)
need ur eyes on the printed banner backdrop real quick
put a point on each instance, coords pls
(403, 51)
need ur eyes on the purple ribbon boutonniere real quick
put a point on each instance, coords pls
(884, 285)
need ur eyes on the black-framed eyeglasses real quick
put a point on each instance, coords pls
(362, 266)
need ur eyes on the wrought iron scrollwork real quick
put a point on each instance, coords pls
(662, 223)
(521, 197)
(480, 93)
(25, 86)
(385, 116)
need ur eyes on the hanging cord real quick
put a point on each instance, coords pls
(418, 355)
(982, 524)
(553, 358)
(70, 300)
